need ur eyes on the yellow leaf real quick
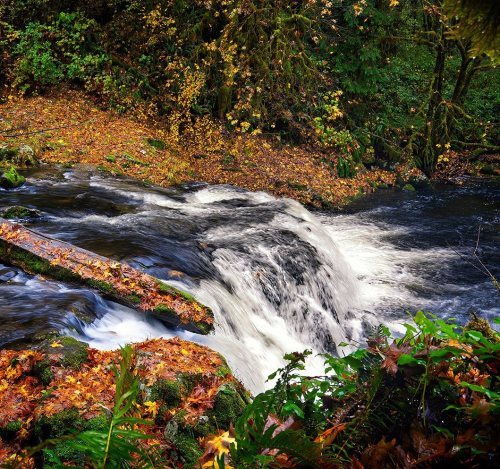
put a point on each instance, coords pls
(56, 344)
(152, 407)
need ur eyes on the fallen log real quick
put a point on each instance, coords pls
(36, 253)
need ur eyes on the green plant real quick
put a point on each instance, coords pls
(438, 381)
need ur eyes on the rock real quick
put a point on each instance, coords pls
(18, 212)
(490, 170)
(418, 181)
(10, 179)
(6, 275)
(409, 188)
(26, 156)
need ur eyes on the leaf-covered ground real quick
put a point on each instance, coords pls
(63, 386)
(76, 131)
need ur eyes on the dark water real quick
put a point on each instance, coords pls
(278, 277)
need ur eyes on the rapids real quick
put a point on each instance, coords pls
(279, 277)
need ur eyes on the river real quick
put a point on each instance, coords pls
(279, 277)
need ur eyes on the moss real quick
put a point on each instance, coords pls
(203, 327)
(482, 325)
(188, 449)
(133, 160)
(9, 431)
(33, 264)
(58, 425)
(164, 288)
(8, 154)
(228, 406)
(223, 371)
(164, 310)
(409, 188)
(43, 372)
(63, 423)
(99, 423)
(73, 354)
(167, 391)
(16, 212)
(111, 158)
(136, 299)
(158, 144)
(102, 286)
(297, 187)
(10, 179)
(189, 381)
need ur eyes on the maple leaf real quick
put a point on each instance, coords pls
(56, 344)
(216, 447)
(151, 408)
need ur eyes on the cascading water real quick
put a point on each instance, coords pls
(278, 278)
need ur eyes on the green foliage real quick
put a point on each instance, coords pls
(63, 49)
(390, 388)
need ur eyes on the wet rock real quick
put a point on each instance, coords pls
(6, 274)
(18, 212)
(409, 188)
(10, 179)
(418, 180)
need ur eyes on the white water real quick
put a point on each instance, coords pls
(266, 298)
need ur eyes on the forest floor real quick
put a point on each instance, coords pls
(67, 128)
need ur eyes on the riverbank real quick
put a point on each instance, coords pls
(67, 128)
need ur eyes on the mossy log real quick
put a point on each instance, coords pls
(39, 254)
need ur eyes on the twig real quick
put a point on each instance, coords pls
(483, 269)
(44, 130)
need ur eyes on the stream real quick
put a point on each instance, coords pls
(278, 277)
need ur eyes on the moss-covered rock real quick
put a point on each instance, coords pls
(409, 188)
(73, 353)
(156, 143)
(188, 448)
(64, 423)
(43, 372)
(58, 425)
(229, 405)
(25, 156)
(18, 212)
(184, 439)
(9, 431)
(170, 392)
(10, 179)
(7, 154)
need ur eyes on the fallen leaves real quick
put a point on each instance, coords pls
(205, 152)
(91, 389)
